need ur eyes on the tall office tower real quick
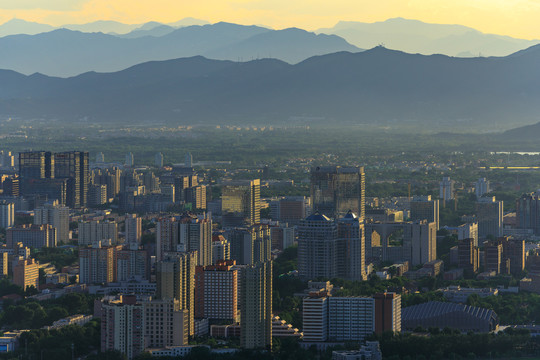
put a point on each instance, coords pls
(250, 245)
(256, 306)
(133, 229)
(514, 250)
(493, 255)
(26, 273)
(55, 215)
(468, 231)
(181, 184)
(123, 326)
(423, 242)
(151, 183)
(468, 255)
(196, 234)
(291, 209)
(175, 276)
(4, 264)
(166, 236)
(318, 247)
(188, 160)
(132, 262)
(489, 213)
(34, 236)
(216, 295)
(75, 167)
(481, 187)
(130, 161)
(387, 312)
(528, 212)
(35, 165)
(240, 203)
(96, 264)
(350, 318)
(11, 186)
(446, 189)
(352, 243)
(424, 208)
(221, 249)
(165, 323)
(282, 236)
(7, 214)
(100, 158)
(196, 196)
(315, 317)
(158, 160)
(97, 195)
(95, 230)
(110, 178)
(335, 190)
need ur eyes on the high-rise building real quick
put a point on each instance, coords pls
(4, 264)
(97, 195)
(468, 255)
(188, 160)
(250, 245)
(196, 196)
(282, 236)
(240, 203)
(26, 273)
(75, 167)
(318, 247)
(35, 165)
(424, 208)
(221, 249)
(55, 215)
(468, 231)
(132, 262)
(133, 229)
(34, 236)
(129, 160)
(481, 187)
(315, 317)
(489, 213)
(95, 230)
(514, 250)
(290, 209)
(186, 233)
(7, 214)
(350, 318)
(493, 255)
(446, 189)
(97, 264)
(216, 295)
(175, 276)
(387, 312)
(165, 323)
(123, 326)
(256, 306)
(528, 212)
(351, 251)
(158, 160)
(336, 190)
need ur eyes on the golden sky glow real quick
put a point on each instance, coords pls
(517, 18)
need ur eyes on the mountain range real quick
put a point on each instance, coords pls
(415, 36)
(66, 52)
(378, 86)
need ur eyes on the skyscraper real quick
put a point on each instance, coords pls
(318, 250)
(55, 215)
(424, 208)
(74, 166)
(7, 214)
(130, 161)
(96, 264)
(95, 230)
(158, 160)
(446, 189)
(481, 187)
(256, 306)
(528, 212)
(240, 203)
(351, 235)
(175, 276)
(489, 213)
(133, 231)
(335, 190)
(387, 312)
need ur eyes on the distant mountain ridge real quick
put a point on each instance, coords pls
(414, 36)
(378, 86)
(68, 53)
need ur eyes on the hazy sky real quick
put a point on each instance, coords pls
(518, 18)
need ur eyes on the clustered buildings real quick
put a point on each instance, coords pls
(200, 278)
